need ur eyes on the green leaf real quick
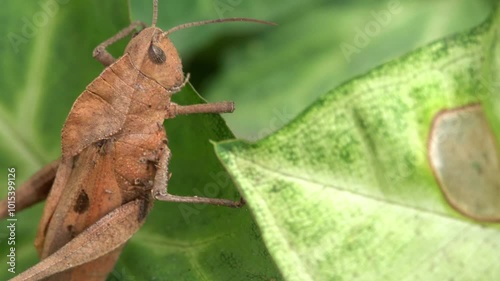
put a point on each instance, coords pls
(42, 77)
(363, 184)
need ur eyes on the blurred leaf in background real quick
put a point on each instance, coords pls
(272, 73)
(278, 71)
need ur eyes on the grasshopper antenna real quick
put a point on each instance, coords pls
(198, 23)
(155, 13)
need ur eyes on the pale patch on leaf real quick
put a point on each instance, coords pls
(464, 157)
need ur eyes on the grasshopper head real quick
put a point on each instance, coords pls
(155, 56)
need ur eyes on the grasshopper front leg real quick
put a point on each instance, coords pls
(160, 188)
(106, 235)
(34, 190)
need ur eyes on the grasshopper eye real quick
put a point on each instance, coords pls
(156, 54)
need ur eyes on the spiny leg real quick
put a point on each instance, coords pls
(102, 55)
(160, 187)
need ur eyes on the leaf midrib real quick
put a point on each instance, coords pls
(351, 192)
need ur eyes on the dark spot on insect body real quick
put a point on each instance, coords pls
(144, 208)
(151, 166)
(71, 230)
(101, 145)
(75, 159)
(82, 202)
(156, 54)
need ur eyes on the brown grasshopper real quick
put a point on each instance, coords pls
(114, 159)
